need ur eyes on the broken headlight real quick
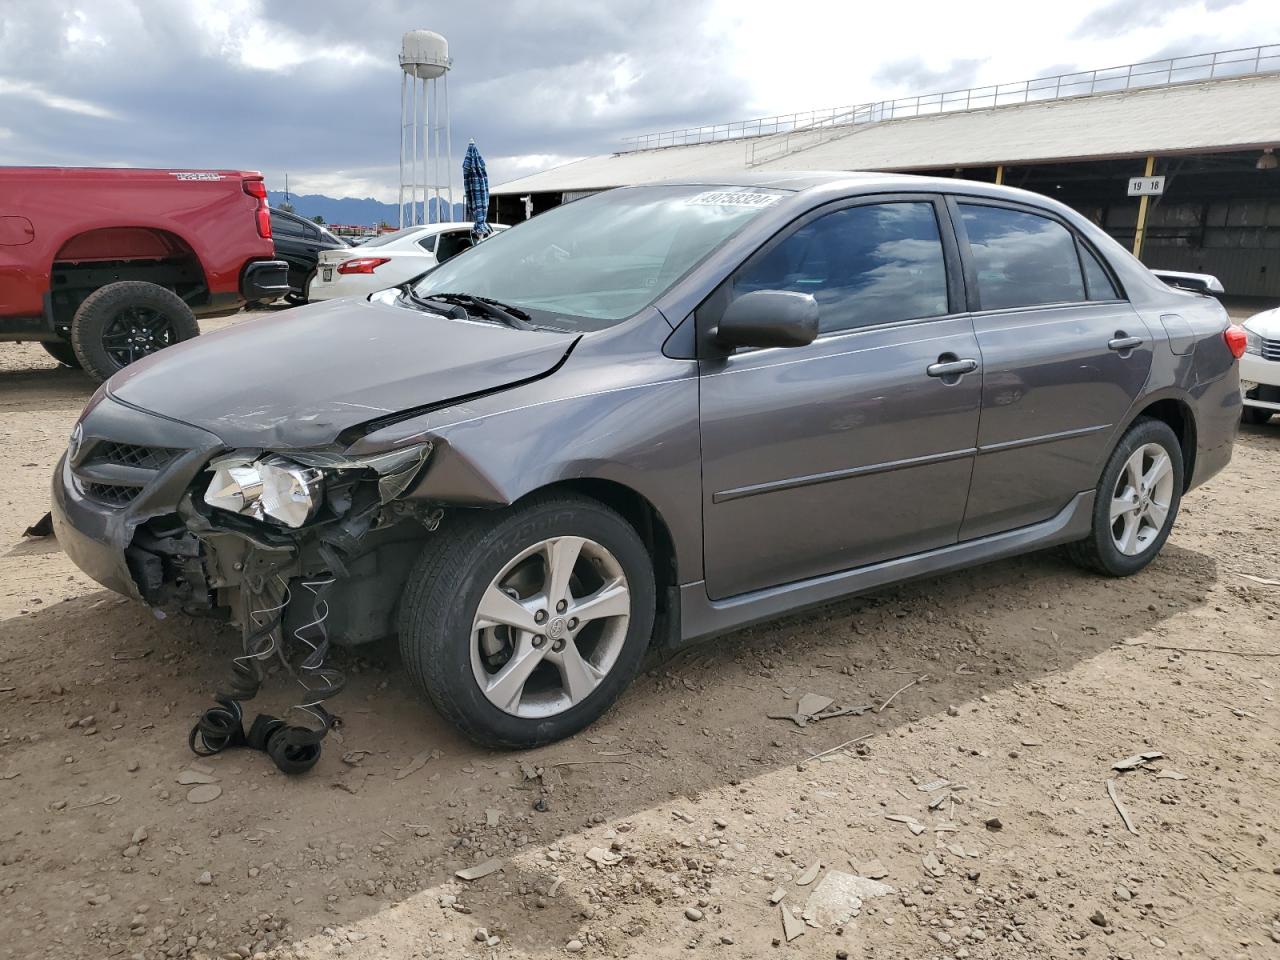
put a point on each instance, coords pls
(270, 486)
(290, 489)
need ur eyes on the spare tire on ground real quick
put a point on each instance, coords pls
(126, 321)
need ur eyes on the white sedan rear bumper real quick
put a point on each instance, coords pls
(346, 285)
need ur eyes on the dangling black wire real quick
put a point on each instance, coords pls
(293, 749)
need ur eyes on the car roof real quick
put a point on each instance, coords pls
(823, 185)
(449, 225)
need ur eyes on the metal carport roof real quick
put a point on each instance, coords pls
(1203, 117)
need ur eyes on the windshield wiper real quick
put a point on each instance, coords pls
(494, 309)
(436, 306)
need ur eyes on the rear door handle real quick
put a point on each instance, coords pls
(1121, 344)
(951, 368)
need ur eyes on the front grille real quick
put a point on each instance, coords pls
(112, 494)
(1271, 349)
(114, 473)
(129, 455)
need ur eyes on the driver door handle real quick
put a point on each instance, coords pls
(951, 368)
(1120, 344)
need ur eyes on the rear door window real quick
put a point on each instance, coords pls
(865, 265)
(1022, 259)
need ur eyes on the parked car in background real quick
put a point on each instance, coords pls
(658, 414)
(389, 259)
(299, 243)
(1260, 367)
(105, 266)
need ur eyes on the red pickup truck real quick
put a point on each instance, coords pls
(104, 266)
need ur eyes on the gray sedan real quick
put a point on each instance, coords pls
(646, 418)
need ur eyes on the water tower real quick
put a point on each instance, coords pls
(424, 129)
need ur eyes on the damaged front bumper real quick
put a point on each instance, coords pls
(122, 470)
(129, 508)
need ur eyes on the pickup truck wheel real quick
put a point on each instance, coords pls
(1137, 501)
(126, 321)
(524, 626)
(61, 351)
(1254, 416)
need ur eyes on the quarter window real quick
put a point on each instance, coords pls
(864, 265)
(1022, 259)
(285, 227)
(1095, 277)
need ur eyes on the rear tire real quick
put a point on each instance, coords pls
(303, 296)
(1254, 416)
(126, 321)
(450, 649)
(1134, 509)
(62, 351)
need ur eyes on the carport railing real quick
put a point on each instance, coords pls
(1192, 68)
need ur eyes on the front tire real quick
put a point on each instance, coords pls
(1254, 416)
(525, 625)
(126, 321)
(1137, 501)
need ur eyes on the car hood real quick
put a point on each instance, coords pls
(1265, 324)
(300, 377)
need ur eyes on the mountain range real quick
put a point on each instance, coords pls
(354, 210)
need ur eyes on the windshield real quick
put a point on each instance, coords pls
(588, 264)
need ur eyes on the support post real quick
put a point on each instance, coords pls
(1143, 201)
(1000, 174)
(403, 79)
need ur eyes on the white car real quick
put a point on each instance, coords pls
(1260, 367)
(388, 260)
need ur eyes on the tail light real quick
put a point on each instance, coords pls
(362, 264)
(1236, 339)
(256, 188)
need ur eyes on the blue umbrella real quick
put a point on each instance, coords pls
(475, 184)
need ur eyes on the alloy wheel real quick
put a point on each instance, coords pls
(1141, 499)
(550, 626)
(136, 332)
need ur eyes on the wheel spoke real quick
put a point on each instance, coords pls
(1161, 466)
(580, 678)
(611, 600)
(1133, 470)
(562, 556)
(1128, 542)
(498, 609)
(507, 685)
(1123, 504)
(1156, 514)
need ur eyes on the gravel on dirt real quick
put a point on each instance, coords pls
(704, 834)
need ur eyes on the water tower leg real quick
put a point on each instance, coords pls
(448, 146)
(435, 147)
(400, 206)
(426, 149)
(413, 158)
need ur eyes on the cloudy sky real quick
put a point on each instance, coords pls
(311, 87)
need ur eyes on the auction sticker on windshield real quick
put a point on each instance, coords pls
(730, 198)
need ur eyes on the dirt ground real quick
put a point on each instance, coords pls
(999, 700)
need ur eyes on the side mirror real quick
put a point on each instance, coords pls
(769, 318)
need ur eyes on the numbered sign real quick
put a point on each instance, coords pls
(1146, 186)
